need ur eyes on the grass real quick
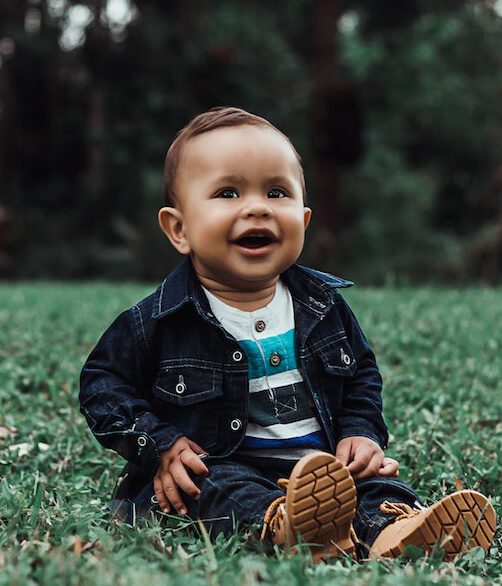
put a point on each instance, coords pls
(440, 354)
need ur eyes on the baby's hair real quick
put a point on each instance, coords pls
(218, 117)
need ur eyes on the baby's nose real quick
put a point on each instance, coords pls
(257, 207)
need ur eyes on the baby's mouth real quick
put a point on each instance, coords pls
(257, 241)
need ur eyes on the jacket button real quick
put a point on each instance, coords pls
(260, 325)
(180, 388)
(275, 359)
(235, 424)
(345, 357)
(237, 356)
(142, 441)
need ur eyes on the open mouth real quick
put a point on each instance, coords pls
(254, 241)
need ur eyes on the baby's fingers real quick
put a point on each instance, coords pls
(160, 494)
(172, 493)
(191, 460)
(183, 480)
(389, 467)
(371, 467)
(343, 451)
(360, 463)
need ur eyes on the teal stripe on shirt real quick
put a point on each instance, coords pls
(283, 344)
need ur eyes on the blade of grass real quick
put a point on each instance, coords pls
(213, 562)
(37, 501)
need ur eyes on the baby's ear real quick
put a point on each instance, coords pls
(171, 223)
(307, 214)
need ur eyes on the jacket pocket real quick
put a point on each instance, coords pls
(337, 366)
(338, 358)
(189, 395)
(188, 383)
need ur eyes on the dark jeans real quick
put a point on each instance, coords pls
(236, 494)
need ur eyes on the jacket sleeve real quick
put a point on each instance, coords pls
(361, 412)
(114, 386)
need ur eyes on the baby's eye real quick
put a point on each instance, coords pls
(228, 194)
(276, 193)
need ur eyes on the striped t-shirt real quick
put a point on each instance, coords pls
(281, 421)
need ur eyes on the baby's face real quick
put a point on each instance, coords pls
(240, 206)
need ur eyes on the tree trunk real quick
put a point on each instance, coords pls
(97, 38)
(326, 179)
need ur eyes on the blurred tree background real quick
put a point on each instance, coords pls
(395, 107)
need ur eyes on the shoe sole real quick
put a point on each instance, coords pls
(457, 523)
(321, 504)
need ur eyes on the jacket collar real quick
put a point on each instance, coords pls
(314, 289)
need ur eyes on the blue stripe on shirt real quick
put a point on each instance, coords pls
(284, 344)
(312, 440)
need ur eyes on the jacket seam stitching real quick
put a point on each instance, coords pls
(146, 343)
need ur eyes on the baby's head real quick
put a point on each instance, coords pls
(235, 195)
(213, 119)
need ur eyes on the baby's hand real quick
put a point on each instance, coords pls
(172, 474)
(364, 458)
(389, 467)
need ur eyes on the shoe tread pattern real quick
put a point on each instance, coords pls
(321, 502)
(457, 523)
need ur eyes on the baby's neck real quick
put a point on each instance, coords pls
(245, 300)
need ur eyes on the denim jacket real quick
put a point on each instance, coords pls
(166, 368)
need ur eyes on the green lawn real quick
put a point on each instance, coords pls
(440, 351)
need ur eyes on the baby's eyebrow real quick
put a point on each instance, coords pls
(243, 181)
(278, 179)
(232, 179)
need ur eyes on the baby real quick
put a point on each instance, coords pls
(242, 391)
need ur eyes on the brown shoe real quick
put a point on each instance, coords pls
(319, 506)
(456, 523)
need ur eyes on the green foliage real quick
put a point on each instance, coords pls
(425, 202)
(85, 131)
(440, 356)
(106, 113)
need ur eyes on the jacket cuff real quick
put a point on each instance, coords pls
(152, 437)
(143, 443)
